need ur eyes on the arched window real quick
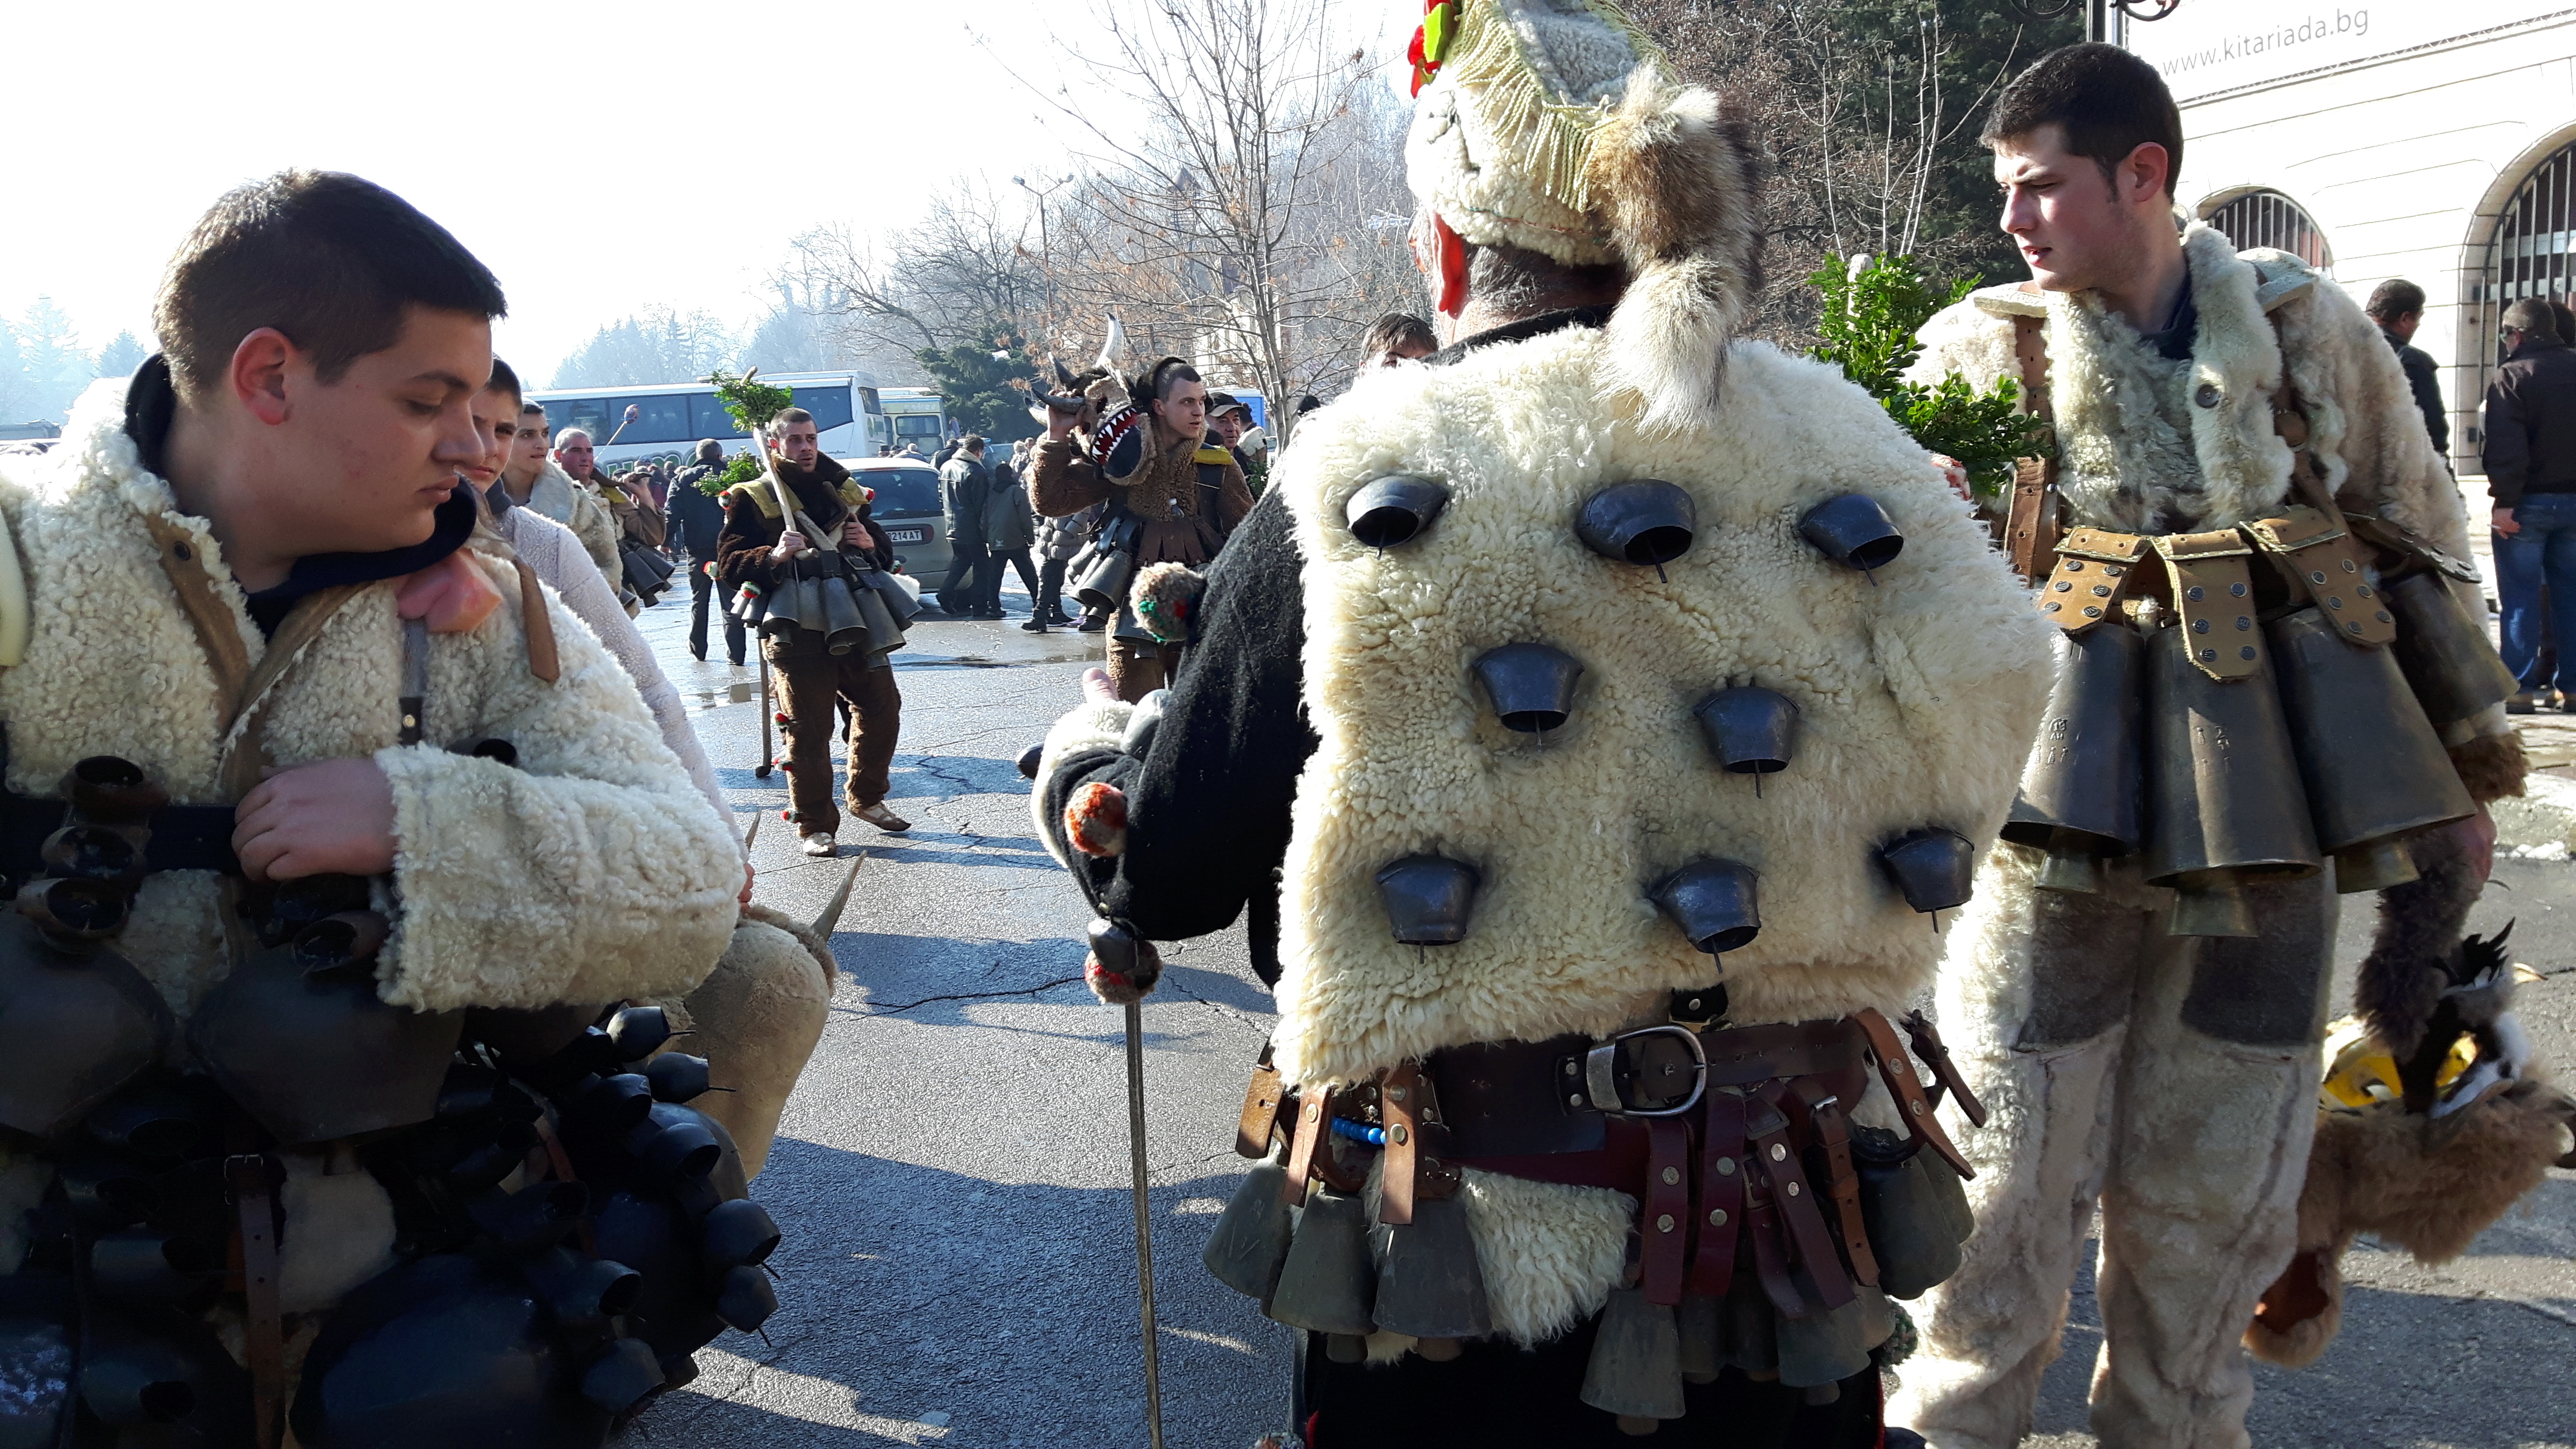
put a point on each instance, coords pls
(2529, 254)
(2269, 219)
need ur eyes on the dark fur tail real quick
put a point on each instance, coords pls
(2419, 930)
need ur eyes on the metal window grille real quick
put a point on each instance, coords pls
(2269, 219)
(2527, 257)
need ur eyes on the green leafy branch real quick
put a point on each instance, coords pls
(750, 402)
(1871, 314)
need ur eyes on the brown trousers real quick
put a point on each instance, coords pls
(1135, 670)
(811, 682)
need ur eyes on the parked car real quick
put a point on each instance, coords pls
(907, 507)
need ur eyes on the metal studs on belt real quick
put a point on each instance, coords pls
(1791, 1189)
(2195, 593)
(1664, 1222)
(1672, 1175)
(1726, 1167)
(1396, 1134)
(1779, 1153)
(1717, 1217)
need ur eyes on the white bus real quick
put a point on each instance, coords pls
(672, 417)
(919, 417)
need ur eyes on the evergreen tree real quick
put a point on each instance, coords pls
(976, 387)
(51, 360)
(121, 356)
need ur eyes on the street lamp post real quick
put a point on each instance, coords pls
(1046, 257)
(2097, 13)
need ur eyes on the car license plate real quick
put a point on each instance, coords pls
(909, 535)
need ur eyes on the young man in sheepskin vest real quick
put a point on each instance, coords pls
(2247, 534)
(1598, 722)
(342, 832)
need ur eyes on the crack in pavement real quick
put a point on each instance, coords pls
(962, 996)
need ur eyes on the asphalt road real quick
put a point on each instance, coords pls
(952, 1174)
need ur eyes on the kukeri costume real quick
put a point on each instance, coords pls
(1544, 674)
(2268, 660)
(337, 1150)
(829, 623)
(1166, 504)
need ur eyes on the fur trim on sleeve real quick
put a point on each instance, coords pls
(1097, 725)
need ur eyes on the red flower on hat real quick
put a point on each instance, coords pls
(1431, 40)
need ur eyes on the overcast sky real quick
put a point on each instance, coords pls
(599, 157)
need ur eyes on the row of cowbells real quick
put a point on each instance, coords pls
(863, 609)
(2330, 749)
(1430, 899)
(1103, 572)
(1327, 1269)
(1642, 521)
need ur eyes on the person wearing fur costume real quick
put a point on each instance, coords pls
(337, 844)
(2246, 533)
(1174, 496)
(1602, 643)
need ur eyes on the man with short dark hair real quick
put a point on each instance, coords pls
(758, 546)
(2529, 453)
(534, 480)
(2148, 1034)
(695, 520)
(972, 590)
(252, 578)
(2397, 305)
(1397, 337)
(1172, 498)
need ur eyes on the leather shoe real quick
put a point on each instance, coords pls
(880, 817)
(1092, 624)
(819, 843)
(1034, 626)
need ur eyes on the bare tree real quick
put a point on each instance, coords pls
(968, 274)
(1861, 106)
(1215, 221)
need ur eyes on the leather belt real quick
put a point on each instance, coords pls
(1545, 1098)
(184, 837)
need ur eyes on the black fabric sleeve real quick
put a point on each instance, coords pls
(1208, 804)
(2507, 450)
(2423, 377)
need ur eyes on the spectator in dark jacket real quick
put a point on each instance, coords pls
(2397, 305)
(1010, 529)
(974, 574)
(692, 520)
(2530, 458)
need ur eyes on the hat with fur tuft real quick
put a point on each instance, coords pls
(1556, 126)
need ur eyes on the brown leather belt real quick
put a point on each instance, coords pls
(1734, 1141)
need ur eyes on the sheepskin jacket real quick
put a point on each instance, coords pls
(2150, 446)
(593, 871)
(556, 496)
(1918, 689)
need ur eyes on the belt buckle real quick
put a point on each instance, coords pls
(1601, 1073)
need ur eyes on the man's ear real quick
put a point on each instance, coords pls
(258, 374)
(2144, 173)
(1449, 266)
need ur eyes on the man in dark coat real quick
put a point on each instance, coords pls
(1010, 531)
(2529, 451)
(2397, 305)
(974, 575)
(813, 682)
(693, 521)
